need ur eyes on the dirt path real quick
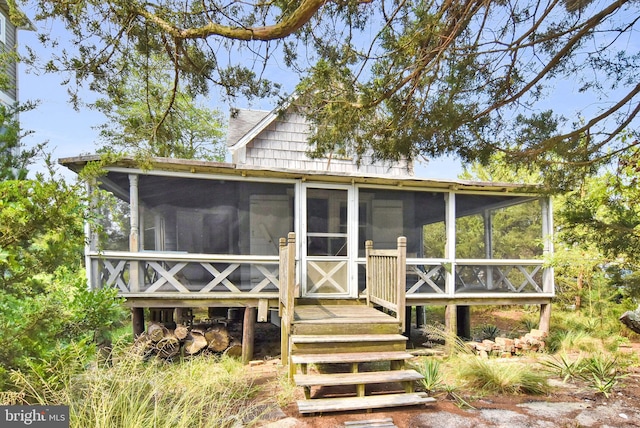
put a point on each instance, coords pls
(568, 406)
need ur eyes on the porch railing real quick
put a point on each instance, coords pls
(386, 278)
(287, 250)
(427, 278)
(172, 272)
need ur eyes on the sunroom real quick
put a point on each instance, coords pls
(206, 234)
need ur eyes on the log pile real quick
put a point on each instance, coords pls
(533, 341)
(164, 343)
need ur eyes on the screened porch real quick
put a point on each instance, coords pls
(172, 234)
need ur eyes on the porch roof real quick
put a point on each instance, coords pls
(195, 167)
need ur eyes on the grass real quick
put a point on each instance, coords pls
(579, 349)
(573, 341)
(193, 393)
(286, 389)
(433, 379)
(563, 366)
(601, 371)
(434, 382)
(494, 377)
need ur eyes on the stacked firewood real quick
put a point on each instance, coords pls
(166, 343)
(533, 341)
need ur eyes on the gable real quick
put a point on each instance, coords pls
(280, 141)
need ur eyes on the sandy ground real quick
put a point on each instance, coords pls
(568, 405)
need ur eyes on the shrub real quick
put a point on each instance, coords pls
(503, 378)
(488, 331)
(562, 366)
(133, 393)
(432, 376)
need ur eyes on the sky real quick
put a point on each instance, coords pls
(70, 133)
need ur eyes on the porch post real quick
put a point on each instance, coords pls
(488, 246)
(450, 311)
(545, 317)
(450, 326)
(548, 285)
(421, 315)
(137, 321)
(137, 314)
(463, 321)
(407, 321)
(248, 333)
(450, 244)
(91, 245)
(134, 235)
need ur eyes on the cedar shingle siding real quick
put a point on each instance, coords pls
(280, 141)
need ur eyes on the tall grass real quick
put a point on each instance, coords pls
(491, 376)
(132, 393)
(573, 341)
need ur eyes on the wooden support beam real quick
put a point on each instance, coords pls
(450, 325)
(407, 321)
(248, 333)
(217, 312)
(263, 310)
(184, 316)
(463, 321)
(421, 316)
(545, 317)
(137, 321)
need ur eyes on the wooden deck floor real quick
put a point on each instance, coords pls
(337, 314)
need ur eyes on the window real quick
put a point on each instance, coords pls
(3, 29)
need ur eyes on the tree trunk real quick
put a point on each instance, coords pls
(194, 343)
(156, 331)
(168, 346)
(217, 338)
(579, 286)
(181, 332)
(143, 345)
(234, 349)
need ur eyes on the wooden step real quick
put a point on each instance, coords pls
(342, 326)
(346, 338)
(335, 379)
(320, 344)
(350, 357)
(373, 423)
(320, 405)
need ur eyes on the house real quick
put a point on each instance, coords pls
(8, 45)
(207, 234)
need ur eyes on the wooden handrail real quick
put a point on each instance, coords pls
(287, 293)
(386, 272)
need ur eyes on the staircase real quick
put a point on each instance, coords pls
(358, 357)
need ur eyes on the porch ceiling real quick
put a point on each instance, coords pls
(187, 182)
(76, 164)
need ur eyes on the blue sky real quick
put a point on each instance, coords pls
(71, 133)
